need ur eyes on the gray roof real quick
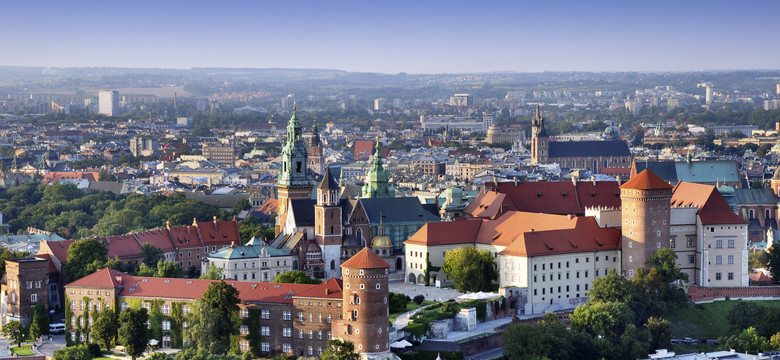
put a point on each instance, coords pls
(110, 186)
(303, 210)
(246, 252)
(664, 169)
(592, 148)
(755, 196)
(398, 209)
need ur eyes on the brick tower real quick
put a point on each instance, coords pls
(645, 203)
(327, 223)
(26, 285)
(365, 312)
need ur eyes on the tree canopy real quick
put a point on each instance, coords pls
(133, 333)
(214, 319)
(470, 269)
(85, 256)
(338, 349)
(295, 277)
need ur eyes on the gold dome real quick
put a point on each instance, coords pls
(381, 241)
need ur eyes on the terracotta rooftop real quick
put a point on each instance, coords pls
(447, 232)
(550, 197)
(646, 180)
(713, 208)
(365, 259)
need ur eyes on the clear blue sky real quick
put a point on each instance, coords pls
(395, 36)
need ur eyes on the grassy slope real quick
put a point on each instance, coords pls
(708, 322)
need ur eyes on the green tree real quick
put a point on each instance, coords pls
(115, 264)
(152, 254)
(398, 302)
(104, 330)
(214, 273)
(547, 339)
(220, 302)
(168, 269)
(757, 260)
(77, 352)
(660, 333)
(294, 277)
(774, 341)
(82, 254)
(748, 341)
(607, 319)
(39, 325)
(133, 332)
(470, 269)
(773, 263)
(240, 205)
(744, 314)
(104, 176)
(144, 270)
(15, 333)
(338, 349)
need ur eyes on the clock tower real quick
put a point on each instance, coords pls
(293, 182)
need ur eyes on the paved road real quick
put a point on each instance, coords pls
(48, 347)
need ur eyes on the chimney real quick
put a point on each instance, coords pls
(215, 223)
(168, 224)
(327, 291)
(618, 180)
(232, 244)
(515, 179)
(194, 222)
(119, 279)
(593, 178)
(532, 230)
(574, 180)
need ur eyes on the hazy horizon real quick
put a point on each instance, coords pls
(455, 37)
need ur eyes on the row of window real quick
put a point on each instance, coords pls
(363, 286)
(568, 275)
(560, 288)
(576, 261)
(719, 276)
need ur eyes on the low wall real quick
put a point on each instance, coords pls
(482, 344)
(700, 294)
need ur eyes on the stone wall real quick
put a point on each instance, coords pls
(701, 294)
(482, 344)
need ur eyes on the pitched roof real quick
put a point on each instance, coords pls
(330, 289)
(303, 210)
(328, 183)
(713, 208)
(160, 238)
(591, 148)
(646, 180)
(445, 233)
(218, 232)
(709, 171)
(365, 259)
(396, 209)
(755, 196)
(488, 205)
(559, 197)
(270, 206)
(585, 236)
(664, 169)
(105, 278)
(506, 229)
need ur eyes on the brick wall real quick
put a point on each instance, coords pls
(706, 294)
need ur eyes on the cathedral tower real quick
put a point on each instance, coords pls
(376, 180)
(316, 158)
(365, 312)
(327, 223)
(645, 201)
(293, 182)
(540, 141)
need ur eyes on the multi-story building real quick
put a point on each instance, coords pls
(225, 154)
(254, 261)
(462, 100)
(292, 319)
(25, 285)
(108, 102)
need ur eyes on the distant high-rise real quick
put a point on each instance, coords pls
(461, 100)
(380, 104)
(108, 102)
(778, 89)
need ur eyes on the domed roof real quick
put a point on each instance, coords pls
(381, 241)
(50, 155)
(609, 130)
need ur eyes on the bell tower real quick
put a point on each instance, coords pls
(328, 223)
(540, 141)
(293, 182)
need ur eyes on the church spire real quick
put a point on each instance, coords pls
(315, 140)
(538, 123)
(377, 177)
(293, 171)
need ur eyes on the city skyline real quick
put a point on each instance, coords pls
(451, 37)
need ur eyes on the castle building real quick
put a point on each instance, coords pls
(292, 319)
(645, 201)
(24, 285)
(594, 155)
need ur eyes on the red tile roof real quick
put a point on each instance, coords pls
(365, 259)
(52, 268)
(160, 238)
(488, 205)
(269, 207)
(192, 289)
(586, 237)
(646, 180)
(713, 208)
(513, 224)
(445, 233)
(559, 197)
(218, 232)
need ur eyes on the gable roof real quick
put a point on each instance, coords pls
(462, 231)
(303, 210)
(755, 196)
(559, 197)
(330, 289)
(104, 278)
(709, 171)
(396, 209)
(365, 259)
(488, 205)
(713, 208)
(664, 169)
(328, 183)
(646, 180)
(589, 148)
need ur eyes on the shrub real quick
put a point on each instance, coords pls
(419, 299)
(94, 350)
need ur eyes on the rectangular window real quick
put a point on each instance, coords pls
(300, 334)
(718, 259)
(719, 243)
(185, 309)
(673, 242)
(287, 332)
(265, 331)
(286, 315)
(731, 243)
(265, 347)
(244, 345)
(166, 325)
(730, 259)
(243, 329)
(691, 242)
(731, 276)
(717, 276)
(34, 298)
(691, 259)
(243, 313)
(166, 309)
(265, 314)
(286, 348)
(311, 335)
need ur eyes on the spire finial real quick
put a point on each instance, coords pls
(295, 107)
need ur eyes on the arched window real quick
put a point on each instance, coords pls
(356, 299)
(333, 265)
